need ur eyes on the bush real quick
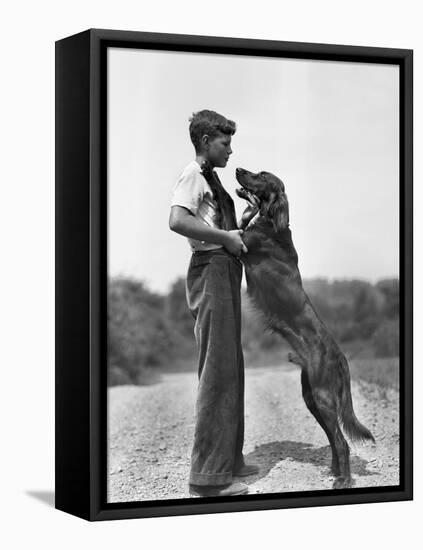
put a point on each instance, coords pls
(139, 337)
(256, 335)
(177, 311)
(386, 339)
(118, 376)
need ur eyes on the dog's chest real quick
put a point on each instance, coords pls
(272, 275)
(263, 247)
(269, 261)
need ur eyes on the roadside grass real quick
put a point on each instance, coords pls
(381, 371)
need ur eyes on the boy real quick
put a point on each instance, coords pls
(202, 211)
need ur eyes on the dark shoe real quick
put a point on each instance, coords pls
(236, 488)
(247, 470)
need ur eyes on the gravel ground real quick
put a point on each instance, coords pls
(151, 430)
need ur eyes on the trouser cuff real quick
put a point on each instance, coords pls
(223, 478)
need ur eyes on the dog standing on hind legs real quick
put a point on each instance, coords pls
(275, 286)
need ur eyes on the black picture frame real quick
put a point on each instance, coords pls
(81, 272)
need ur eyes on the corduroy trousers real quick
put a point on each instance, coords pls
(213, 286)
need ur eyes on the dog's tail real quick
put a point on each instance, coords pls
(352, 426)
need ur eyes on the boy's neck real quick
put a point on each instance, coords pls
(201, 158)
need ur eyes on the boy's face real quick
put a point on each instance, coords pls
(218, 149)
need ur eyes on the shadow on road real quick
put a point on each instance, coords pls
(270, 454)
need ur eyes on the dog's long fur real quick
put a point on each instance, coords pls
(275, 286)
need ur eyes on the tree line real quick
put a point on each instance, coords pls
(148, 331)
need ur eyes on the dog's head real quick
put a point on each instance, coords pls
(270, 191)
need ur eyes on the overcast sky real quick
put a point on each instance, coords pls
(329, 130)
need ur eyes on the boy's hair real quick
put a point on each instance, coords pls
(210, 123)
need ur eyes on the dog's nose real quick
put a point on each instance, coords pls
(239, 170)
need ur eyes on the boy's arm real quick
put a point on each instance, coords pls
(182, 221)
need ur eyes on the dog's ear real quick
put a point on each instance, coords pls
(277, 210)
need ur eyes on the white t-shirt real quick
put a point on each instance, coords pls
(194, 193)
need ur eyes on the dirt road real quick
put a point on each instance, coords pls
(151, 430)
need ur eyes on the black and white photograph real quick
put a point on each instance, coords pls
(210, 242)
(253, 275)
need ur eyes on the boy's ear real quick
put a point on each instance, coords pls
(205, 141)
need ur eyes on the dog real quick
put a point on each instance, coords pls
(275, 286)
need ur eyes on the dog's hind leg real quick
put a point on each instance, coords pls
(311, 405)
(326, 406)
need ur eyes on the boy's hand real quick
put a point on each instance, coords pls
(233, 242)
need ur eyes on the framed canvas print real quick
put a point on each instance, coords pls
(233, 274)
